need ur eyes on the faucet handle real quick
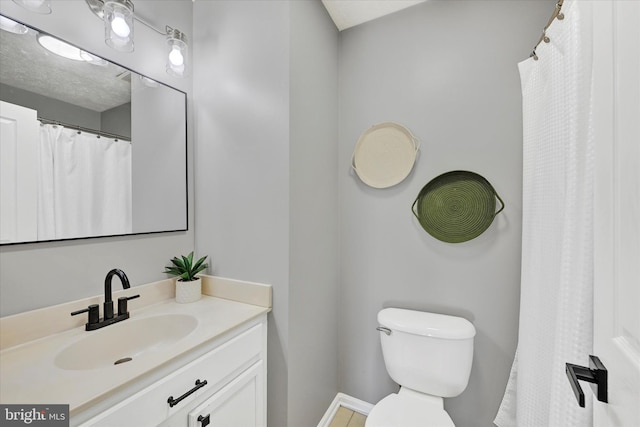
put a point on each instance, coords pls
(94, 313)
(122, 304)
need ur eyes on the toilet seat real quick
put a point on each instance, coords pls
(406, 411)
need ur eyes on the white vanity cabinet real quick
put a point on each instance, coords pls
(238, 404)
(225, 386)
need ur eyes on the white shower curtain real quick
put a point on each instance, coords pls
(84, 186)
(556, 307)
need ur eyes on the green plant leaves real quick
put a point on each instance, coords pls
(184, 267)
(178, 263)
(199, 265)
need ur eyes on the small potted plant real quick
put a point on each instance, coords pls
(188, 286)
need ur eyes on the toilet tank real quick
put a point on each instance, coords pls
(427, 352)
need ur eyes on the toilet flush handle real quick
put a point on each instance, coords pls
(383, 329)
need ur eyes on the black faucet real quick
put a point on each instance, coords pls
(94, 310)
(108, 301)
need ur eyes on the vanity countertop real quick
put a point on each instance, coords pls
(28, 370)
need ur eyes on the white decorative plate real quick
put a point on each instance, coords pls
(384, 155)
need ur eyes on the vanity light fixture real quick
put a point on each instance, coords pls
(12, 26)
(38, 6)
(118, 19)
(118, 24)
(178, 49)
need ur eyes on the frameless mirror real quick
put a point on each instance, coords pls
(87, 148)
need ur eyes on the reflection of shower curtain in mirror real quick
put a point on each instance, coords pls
(84, 186)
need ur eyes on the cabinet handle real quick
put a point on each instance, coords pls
(204, 420)
(173, 402)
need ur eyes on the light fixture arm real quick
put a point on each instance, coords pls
(146, 24)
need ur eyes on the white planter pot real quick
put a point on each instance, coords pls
(187, 292)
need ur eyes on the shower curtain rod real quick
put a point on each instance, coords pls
(556, 14)
(83, 129)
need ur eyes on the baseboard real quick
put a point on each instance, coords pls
(345, 401)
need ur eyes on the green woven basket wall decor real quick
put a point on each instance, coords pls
(456, 206)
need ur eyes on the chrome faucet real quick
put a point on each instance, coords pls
(94, 310)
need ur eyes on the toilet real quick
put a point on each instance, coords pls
(429, 355)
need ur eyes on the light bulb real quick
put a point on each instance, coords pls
(12, 26)
(175, 56)
(148, 82)
(177, 59)
(119, 26)
(86, 56)
(59, 47)
(38, 6)
(33, 3)
(92, 59)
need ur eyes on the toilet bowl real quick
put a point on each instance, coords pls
(408, 408)
(429, 355)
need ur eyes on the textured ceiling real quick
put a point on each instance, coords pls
(27, 65)
(348, 13)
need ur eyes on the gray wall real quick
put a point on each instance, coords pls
(314, 255)
(117, 120)
(158, 191)
(446, 70)
(241, 57)
(50, 108)
(266, 173)
(42, 274)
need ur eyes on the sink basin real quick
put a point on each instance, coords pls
(125, 341)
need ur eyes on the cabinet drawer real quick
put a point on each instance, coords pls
(150, 406)
(239, 404)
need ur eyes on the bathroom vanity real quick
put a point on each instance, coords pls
(170, 364)
(223, 386)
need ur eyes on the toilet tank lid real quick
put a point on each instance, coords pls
(426, 324)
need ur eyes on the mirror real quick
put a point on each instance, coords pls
(87, 148)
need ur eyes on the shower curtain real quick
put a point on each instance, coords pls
(556, 307)
(84, 185)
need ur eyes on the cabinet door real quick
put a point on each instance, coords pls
(239, 404)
